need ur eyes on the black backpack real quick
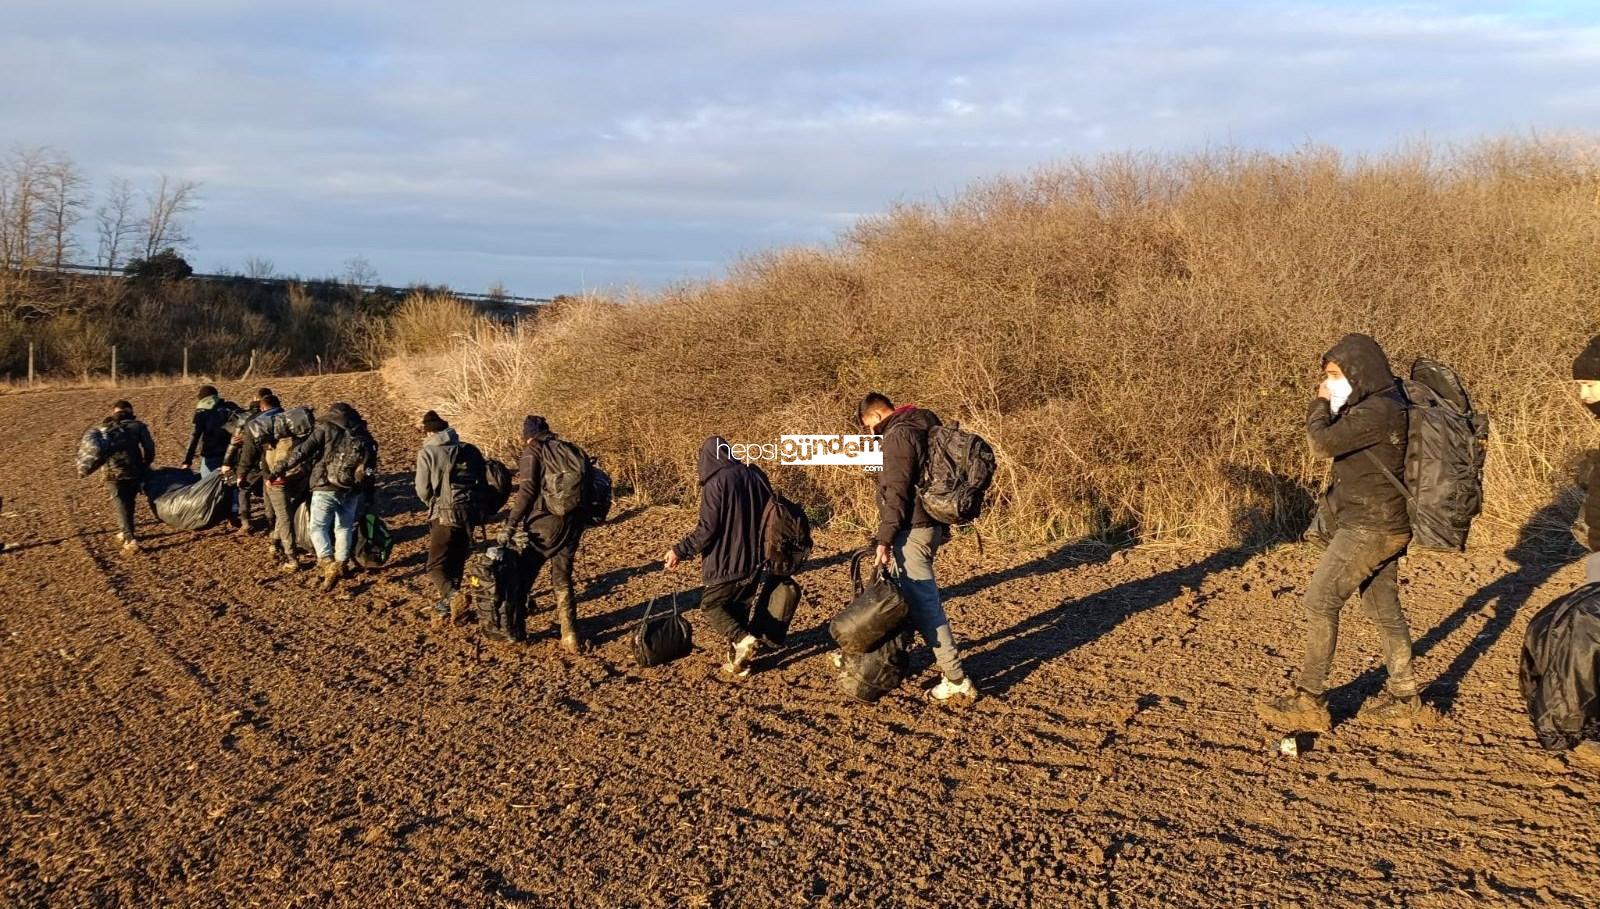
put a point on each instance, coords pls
(466, 491)
(867, 677)
(563, 466)
(785, 536)
(490, 583)
(1445, 446)
(596, 494)
(294, 423)
(497, 486)
(956, 474)
(230, 418)
(347, 462)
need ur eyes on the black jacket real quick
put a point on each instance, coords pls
(733, 497)
(245, 457)
(340, 418)
(1560, 670)
(141, 450)
(904, 442)
(1589, 482)
(208, 437)
(1373, 420)
(547, 533)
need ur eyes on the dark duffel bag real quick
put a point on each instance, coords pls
(774, 610)
(187, 504)
(489, 582)
(878, 610)
(869, 676)
(662, 639)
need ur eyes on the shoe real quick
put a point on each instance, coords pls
(1387, 708)
(1586, 755)
(947, 691)
(129, 544)
(836, 658)
(441, 609)
(741, 654)
(288, 566)
(1299, 712)
(330, 575)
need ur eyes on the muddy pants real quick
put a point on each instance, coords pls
(1365, 562)
(552, 541)
(124, 495)
(913, 551)
(282, 500)
(727, 606)
(447, 555)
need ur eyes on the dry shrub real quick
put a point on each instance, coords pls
(1138, 337)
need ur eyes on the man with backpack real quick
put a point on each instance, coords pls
(132, 451)
(728, 540)
(343, 460)
(261, 451)
(449, 481)
(908, 538)
(1359, 420)
(209, 438)
(549, 513)
(1586, 379)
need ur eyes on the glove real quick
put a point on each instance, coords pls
(503, 538)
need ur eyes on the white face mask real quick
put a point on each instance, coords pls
(1339, 391)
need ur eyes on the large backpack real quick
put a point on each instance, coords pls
(294, 423)
(563, 465)
(955, 474)
(785, 536)
(596, 494)
(466, 486)
(123, 460)
(1445, 446)
(347, 462)
(229, 418)
(99, 443)
(498, 483)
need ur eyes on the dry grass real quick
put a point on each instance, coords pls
(1137, 337)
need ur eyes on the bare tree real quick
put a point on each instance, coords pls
(62, 203)
(164, 212)
(258, 268)
(358, 272)
(21, 198)
(115, 224)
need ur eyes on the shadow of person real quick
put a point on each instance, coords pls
(1542, 548)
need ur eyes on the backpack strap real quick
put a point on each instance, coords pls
(1390, 474)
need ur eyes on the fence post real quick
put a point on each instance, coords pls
(186, 363)
(319, 364)
(30, 364)
(113, 366)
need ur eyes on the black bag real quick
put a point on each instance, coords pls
(347, 463)
(563, 466)
(230, 418)
(877, 611)
(774, 609)
(466, 493)
(785, 536)
(373, 543)
(294, 423)
(181, 499)
(1560, 670)
(259, 429)
(955, 475)
(490, 581)
(869, 676)
(596, 494)
(1445, 448)
(98, 444)
(663, 639)
(497, 485)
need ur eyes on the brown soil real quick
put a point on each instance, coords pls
(190, 727)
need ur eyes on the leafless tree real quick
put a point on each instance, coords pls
(21, 199)
(258, 268)
(358, 272)
(62, 202)
(164, 213)
(116, 225)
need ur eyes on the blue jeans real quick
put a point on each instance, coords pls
(209, 466)
(913, 551)
(333, 523)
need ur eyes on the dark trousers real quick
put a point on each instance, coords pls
(124, 495)
(447, 556)
(281, 502)
(549, 541)
(1365, 562)
(727, 606)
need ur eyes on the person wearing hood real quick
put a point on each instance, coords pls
(209, 438)
(249, 490)
(1586, 382)
(1357, 419)
(126, 467)
(727, 538)
(334, 509)
(540, 538)
(907, 539)
(449, 515)
(282, 495)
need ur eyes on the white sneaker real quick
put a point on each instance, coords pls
(740, 655)
(837, 659)
(947, 690)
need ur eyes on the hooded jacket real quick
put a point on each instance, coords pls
(433, 476)
(547, 533)
(1368, 432)
(1586, 367)
(245, 457)
(208, 437)
(904, 441)
(141, 450)
(733, 497)
(339, 419)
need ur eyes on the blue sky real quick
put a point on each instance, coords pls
(556, 146)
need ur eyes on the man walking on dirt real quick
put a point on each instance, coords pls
(125, 468)
(344, 464)
(230, 465)
(542, 538)
(209, 438)
(438, 485)
(907, 539)
(733, 497)
(1358, 419)
(284, 494)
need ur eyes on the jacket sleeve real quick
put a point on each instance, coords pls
(194, 437)
(710, 523)
(529, 480)
(895, 486)
(1362, 426)
(1591, 504)
(307, 449)
(235, 452)
(424, 479)
(147, 445)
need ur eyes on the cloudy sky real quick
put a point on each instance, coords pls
(553, 146)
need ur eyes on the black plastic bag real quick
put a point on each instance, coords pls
(665, 638)
(877, 611)
(181, 499)
(93, 450)
(774, 610)
(1560, 670)
(867, 677)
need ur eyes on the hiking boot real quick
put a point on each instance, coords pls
(567, 619)
(330, 575)
(1299, 712)
(947, 691)
(1586, 755)
(441, 609)
(1395, 711)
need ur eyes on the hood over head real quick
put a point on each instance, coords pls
(1364, 363)
(445, 436)
(341, 415)
(715, 454)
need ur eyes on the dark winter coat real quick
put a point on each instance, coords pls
(547, 533)
(1368, 432)
(245, 457)
(141, 450)
(733, 497)
(208, 437)
(1560, 670)
(340, 418)
(904, 441)
(1589, 511)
